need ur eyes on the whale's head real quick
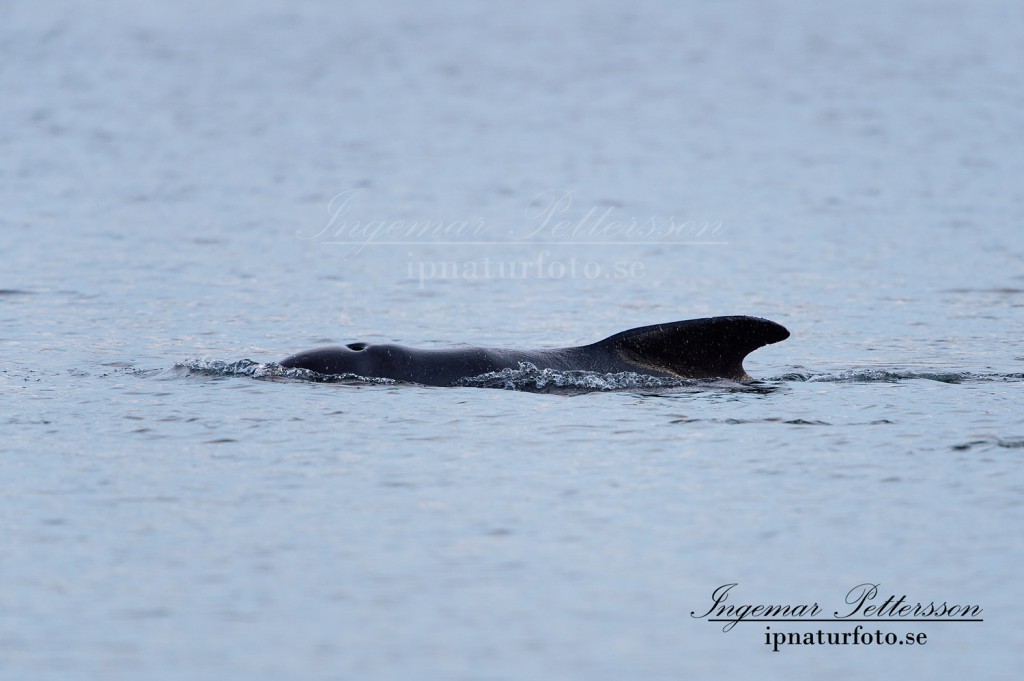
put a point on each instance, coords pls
(336, 359)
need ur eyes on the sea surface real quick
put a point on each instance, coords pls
(190, 191)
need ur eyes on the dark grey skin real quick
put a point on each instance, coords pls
(696, 348)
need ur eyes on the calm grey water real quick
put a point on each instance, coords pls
(188, 185)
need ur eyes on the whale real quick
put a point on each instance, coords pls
(712, 347)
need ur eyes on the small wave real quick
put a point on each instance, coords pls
(269, 371)
(895, 376)
(528, 378)
(242, 367)
(777, 420)
(989, 443)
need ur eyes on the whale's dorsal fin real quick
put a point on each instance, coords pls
(697, 348)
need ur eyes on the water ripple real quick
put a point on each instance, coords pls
(528, 378)
(897, 375)
(989, 443)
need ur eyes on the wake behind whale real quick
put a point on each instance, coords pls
(713, 347)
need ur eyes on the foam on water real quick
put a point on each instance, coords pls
(528, 378)
(896, 375)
